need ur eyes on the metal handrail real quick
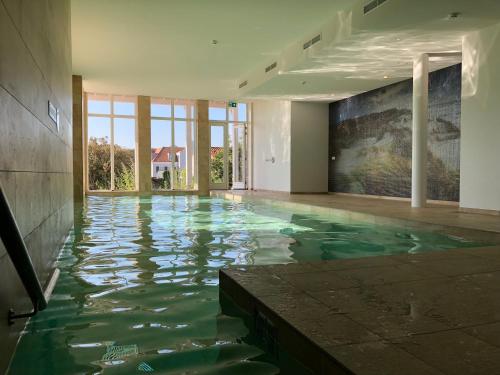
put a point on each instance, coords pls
(16, 248)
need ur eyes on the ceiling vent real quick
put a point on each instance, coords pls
(372, 5)
(243, 84)
(271, 67)
(314, 40)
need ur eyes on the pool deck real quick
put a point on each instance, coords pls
(430, 313)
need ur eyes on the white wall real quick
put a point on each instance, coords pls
(271, 138)
(309, 157)
(480, 138)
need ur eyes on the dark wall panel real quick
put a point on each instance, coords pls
(370, 137)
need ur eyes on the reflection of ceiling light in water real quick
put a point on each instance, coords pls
(385, 77)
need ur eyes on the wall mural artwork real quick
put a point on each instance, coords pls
(370, 137)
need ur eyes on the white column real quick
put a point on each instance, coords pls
(419, 134)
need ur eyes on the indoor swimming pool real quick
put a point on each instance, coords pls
(138, 290)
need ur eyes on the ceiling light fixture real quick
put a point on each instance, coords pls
(386, 77)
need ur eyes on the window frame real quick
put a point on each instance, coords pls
(191, 118)
(111, 116)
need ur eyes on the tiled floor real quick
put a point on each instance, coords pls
(440, 214)
(432, 313)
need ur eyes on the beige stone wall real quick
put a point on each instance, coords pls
(35, 156)
(203, 142)
(143, 165)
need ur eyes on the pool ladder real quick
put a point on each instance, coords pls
(18, 253)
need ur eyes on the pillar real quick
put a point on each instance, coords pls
(78, 157)
(143, 164)
(419, 134)
(203, 142)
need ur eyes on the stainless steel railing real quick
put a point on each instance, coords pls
(16, 248)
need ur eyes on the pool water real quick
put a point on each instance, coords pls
(138, 290)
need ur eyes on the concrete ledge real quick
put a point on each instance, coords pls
(430, 313)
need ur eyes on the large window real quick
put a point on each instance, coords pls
(111, 142)
(228, 144)
(173, 144)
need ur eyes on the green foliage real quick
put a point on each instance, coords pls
(166, 183)
(99, 164)
(124, 178)
(217, 167)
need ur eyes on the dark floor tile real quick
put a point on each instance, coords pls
(345, 264)
(348, 300)
(295, 307)
(490, 252)
(456, 266)
(260, 284)
(335, 329)
(318, 281)
(489, 333)
(380, 358)
(454, 352)
(385, 275)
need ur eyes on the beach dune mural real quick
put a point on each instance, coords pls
(371, 138)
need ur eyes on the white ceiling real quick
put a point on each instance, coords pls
(164, 47)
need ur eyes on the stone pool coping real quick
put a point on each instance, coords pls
(429, 313)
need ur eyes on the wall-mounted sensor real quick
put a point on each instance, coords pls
(53, 113)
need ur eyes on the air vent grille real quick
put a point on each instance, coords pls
(372, 5)
(271, 67)
(314, 40)
(243, 84)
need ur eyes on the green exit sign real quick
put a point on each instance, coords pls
(232, 104)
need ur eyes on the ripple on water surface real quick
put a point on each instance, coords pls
(138, 290)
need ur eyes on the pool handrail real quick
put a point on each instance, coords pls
(18, 253)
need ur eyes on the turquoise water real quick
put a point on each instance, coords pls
(138, 291)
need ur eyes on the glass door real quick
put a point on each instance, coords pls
(227, 156)
(219, 156)
(238, 160)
